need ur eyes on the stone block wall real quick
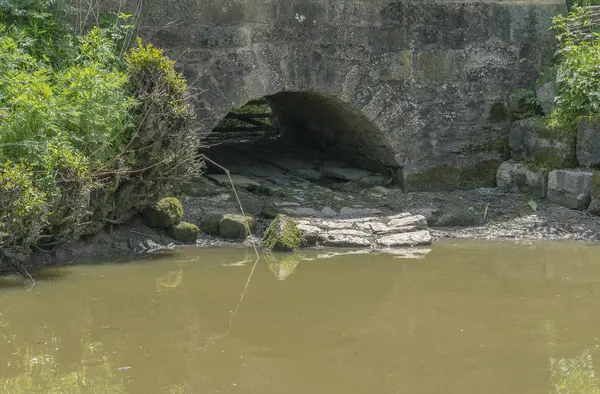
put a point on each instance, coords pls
(433, 78)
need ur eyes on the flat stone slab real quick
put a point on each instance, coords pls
(401, 230)
(307, 173)
(373, 180)
(344, 241)
(355, 212)
(238, 180)
(417, 238)
(417, 221)
(346, 174)
(570, 189)
(302, 211)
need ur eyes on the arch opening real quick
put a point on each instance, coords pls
(312, 136)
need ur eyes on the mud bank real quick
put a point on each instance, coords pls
(476, 214)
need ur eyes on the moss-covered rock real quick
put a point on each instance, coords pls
(236, 226)
(446, 177)
(537, 141)
(282, 235)
(498, 113)
(209, 223)
(166, 213)
(184, 232)
(594, 207)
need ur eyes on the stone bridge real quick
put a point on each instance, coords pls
(421, 88)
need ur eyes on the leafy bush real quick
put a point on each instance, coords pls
(22, 212)
(87, 136)
(578, 68)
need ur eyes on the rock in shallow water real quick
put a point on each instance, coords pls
(417, 238)
(345, 239)
(282, 235)
(388, 231)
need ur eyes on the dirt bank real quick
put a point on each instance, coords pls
(477, 214)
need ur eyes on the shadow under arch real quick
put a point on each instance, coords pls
(309, 121)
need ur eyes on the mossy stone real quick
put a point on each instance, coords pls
(236, 226)
(184, 232)
(594, 207)
(498, 113)
(166, 213)
(282, 235)
(446, 177)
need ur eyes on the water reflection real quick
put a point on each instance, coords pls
(460, 320)
(570, 375)
(38, 373)
(283, 265)
(171, 281)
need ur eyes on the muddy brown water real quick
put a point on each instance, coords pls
(467, 317)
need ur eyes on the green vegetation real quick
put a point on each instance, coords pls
(577, 71)
(253, 114)
(282, 235)
(91, 132)
(524, 104)
(166, 213)
(446, 177)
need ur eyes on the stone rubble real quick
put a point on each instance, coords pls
(400, 230)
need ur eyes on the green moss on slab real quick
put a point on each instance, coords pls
(483, 174)
(446, 177)
(594, 207)
(551, 160)
(595, 185)
(499, 145)
(282, 235)
(498, 113)
(184, 232)
(164, 214)
(550, 130)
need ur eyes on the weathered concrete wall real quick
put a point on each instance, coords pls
(433, 77)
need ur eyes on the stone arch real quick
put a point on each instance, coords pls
(313, 104)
